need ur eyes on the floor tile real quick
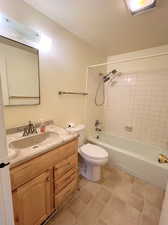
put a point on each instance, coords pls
(77, 207)
(119, 199)
(92, 188)
(119, 183)
(146, 220)
(151, 212)
(101, 222)
(136, 202)
(85, 195)
(147, 191)
(90, 215)
(154, 195)
(138, 187)
(64, 217)
(82, 182)
(103, 195)
(118, 213)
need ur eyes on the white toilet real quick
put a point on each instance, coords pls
(93, 156)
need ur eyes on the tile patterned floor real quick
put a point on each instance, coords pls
(119, 199)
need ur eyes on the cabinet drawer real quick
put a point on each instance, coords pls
(68, 150)
(63, 196)
(65, 166)
(62, 183)
(31, 169)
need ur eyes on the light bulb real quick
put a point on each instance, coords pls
(137, 6)
(44, 43)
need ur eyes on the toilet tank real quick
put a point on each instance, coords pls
(79, 129)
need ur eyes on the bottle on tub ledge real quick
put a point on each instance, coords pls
(42, 127)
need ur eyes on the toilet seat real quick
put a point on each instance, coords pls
(93, 151)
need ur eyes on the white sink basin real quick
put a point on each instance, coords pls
(33, 141)
(12, 154)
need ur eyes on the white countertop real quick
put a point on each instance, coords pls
(23, 155)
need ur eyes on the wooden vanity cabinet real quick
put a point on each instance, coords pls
(36, 196)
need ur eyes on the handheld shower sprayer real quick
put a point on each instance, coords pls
(112, 75)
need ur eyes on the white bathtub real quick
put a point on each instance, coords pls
(138, 159)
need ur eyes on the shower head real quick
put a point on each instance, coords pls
(111, 75)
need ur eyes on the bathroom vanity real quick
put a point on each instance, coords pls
(44, 183)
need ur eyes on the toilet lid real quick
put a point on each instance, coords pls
(93, 151)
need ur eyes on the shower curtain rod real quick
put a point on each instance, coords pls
(128, 60)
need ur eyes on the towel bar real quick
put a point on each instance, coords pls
(71, 93)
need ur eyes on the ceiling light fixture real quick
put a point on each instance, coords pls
(140, 6)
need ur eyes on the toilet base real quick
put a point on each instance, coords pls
(91, 172)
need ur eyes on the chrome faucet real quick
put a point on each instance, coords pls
(30, 129)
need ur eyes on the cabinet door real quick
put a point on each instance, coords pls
(33, 200)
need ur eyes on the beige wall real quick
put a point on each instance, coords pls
(62, 68)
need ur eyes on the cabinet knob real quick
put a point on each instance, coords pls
(48, 179)
(17, 220)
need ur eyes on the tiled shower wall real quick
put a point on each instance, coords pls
(139, 99)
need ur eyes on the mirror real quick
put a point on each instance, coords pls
(19, 73)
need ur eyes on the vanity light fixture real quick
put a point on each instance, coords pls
(140, 6)
(19, 32)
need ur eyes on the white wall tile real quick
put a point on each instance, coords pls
(141, 101)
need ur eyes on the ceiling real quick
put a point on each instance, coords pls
(107, 25)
